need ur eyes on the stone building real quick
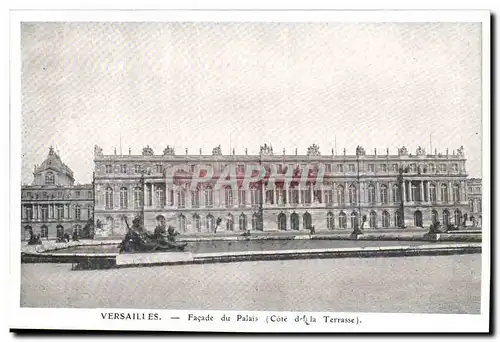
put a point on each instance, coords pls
(331, 193)
(474, 192)
(53, 204)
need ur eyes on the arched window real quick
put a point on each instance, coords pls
(434, 217)
(307, 220)
(59, 231)
(458, 217)
(242, 196)
(210, 223)
(109, 198)
(444, 193)
(281, 221)
(29, 212)
(371, 194)
(340, 194)
(181, 198)
(395, 194)
(471, 206)
(383, 194)
(209, 196)
(254, 196)
(182, 223)
(373, 219)
(196, 223)
(137, 197)
(342, 220)
(78, 230)
(397, 219)
(413, 191)
(228, 196)
(294, 194)
(294, 221)
(230, 222)
(432, 193)
(479, 206)
(255, 221)
(446, 218)
(44, 232)
(456, 193)
(159, 197)
(328, 196)
(386, 219)
(330, 221)
(195, 198)
(243, 222)
(77, 212)
(123, 198)
(49, 178)
(352, 194)
(354, 220)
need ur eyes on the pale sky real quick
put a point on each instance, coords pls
(189, 85)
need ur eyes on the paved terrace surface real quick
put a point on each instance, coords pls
(448, 284)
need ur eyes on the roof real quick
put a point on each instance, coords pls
(53, 162)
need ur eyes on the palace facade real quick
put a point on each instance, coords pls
(53, 204)
(392, 190)
(474, 192)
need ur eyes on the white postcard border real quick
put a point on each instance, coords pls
(85, 319)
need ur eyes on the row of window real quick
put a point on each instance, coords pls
(295, 196)
(57, 195)
(49, 212)
(429, 168)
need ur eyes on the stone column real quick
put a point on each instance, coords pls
(346, 193)
(449, 192)
(428, 191)
(39, 212)
(144, 203)
(300, 193)
(422, 190)
(377, 194)
(247, 196)
(287, 193)
(153, 195)
(403, 184)
(274, 193)
(438, 192)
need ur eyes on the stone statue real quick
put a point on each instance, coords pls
(460, 151)
(403, 151)
(169, 151)
(313, 150)
(97, 151)
(246, 151)
(216, 151)
(360, 151)
(115, 151)
(147, 151)
(186, 151)
(137, 239)
(200, 151)
(129, 151)
(266, 150)
(234, 151)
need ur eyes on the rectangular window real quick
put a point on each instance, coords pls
(442, 167)
(89, 194)
(455, 167)
(109, 169)
(340, 168)
(351, 168)
(241, 168)
(77, 194)
(395, 167)
(328, 167)
(123, 169)
(137, 169)
(371, 167)
(383, 167)
(28, 195)
(159, 169)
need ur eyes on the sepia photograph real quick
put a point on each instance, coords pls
(251, 171)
